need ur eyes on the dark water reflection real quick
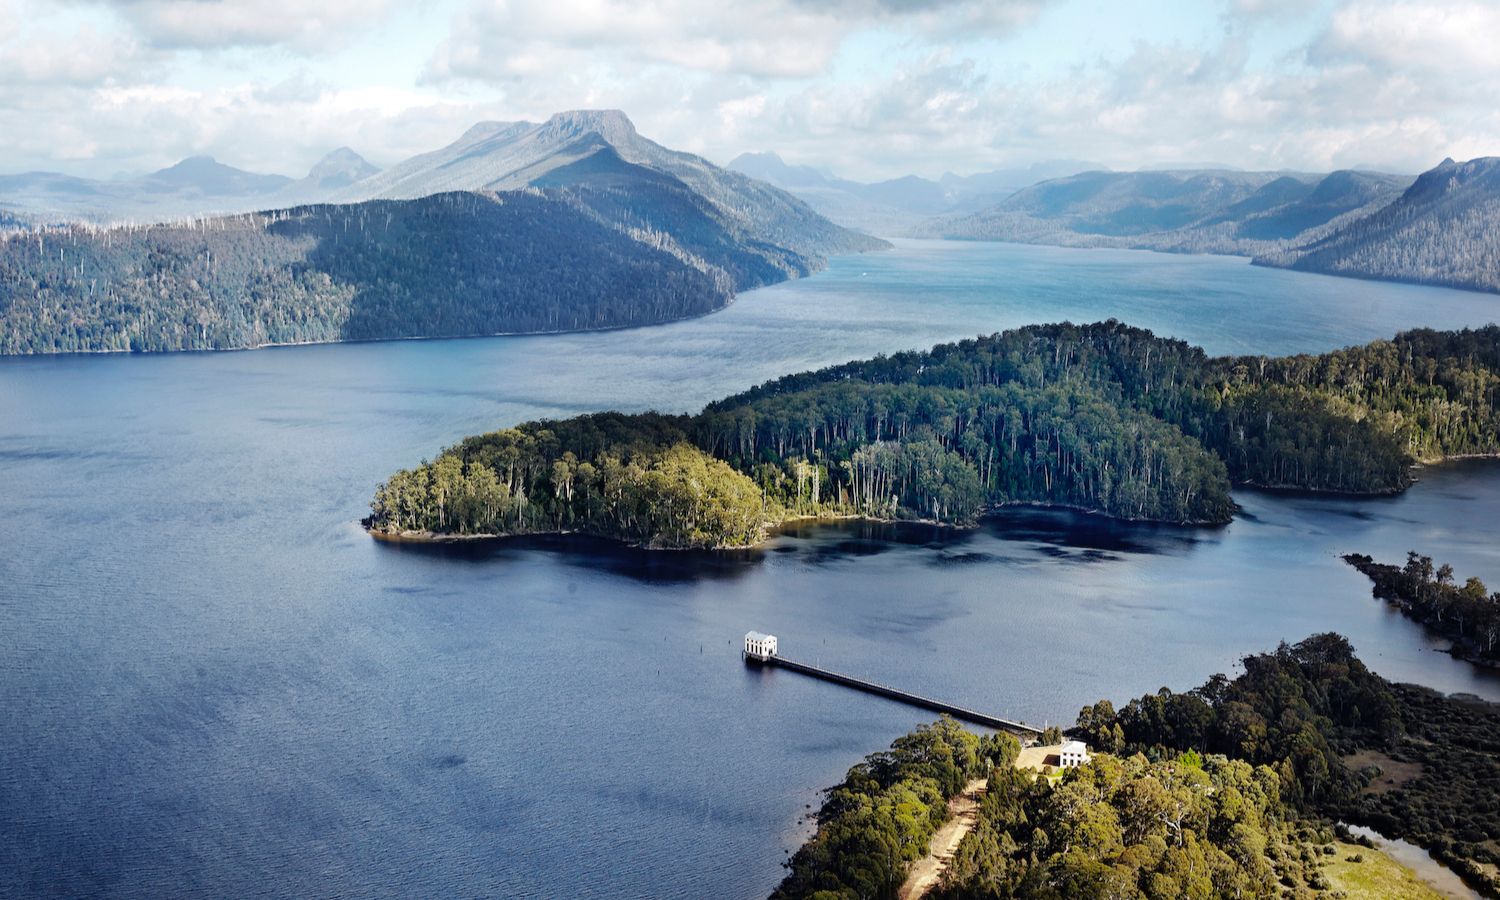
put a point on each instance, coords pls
(214, 684)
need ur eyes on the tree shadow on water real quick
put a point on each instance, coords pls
(583, 551)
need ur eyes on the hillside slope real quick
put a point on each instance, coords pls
(1188, 211)
(448, 265)
(512, 155)
(1444, 230)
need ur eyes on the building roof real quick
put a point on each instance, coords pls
(757, 636)
(1073, 747)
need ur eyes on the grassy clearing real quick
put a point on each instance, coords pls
(1393, 772)
(1375, 877)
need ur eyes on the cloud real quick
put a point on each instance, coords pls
(1452, 39)
(82, 57)
(1257, 10)
(10, 20)
(867, 88)
(509, 39)
(215, 24)
(1158, 104)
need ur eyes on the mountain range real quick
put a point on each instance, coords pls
(898, 205)
(196, 186)
(1441, 228)
(1216, 211)
(1444, 230)
(574, 223)
(757, 222)
(599, 148)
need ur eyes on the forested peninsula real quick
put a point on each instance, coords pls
(1103, 417)
(443, 266)
(1235, 789)
(515, 228)
(449, 265)
(1467, 614)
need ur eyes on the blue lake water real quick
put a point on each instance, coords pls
(212, 683)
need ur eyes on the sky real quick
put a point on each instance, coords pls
(867, 89)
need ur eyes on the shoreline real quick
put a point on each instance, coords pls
(772, 529)
(278, 345)
(822, 265)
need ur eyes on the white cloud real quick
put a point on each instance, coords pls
(213, 24)
(507, 39)
(868, 88)
(1454, 39)
(10, 20)
(83, 56)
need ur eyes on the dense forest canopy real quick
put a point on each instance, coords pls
(1099, 417)
(881, 817)
(1337, 735)
(1232, 790)
(1129, 827)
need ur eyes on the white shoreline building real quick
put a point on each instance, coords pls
(1072, 754)
(760, 646)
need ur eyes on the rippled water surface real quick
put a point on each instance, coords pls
(212, 683)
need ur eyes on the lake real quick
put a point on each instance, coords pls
(213, 683)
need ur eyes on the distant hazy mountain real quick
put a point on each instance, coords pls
(1215, 211)
(513, 155)
(199, 185)
(207, 177)
(896, 206)
(1444, 229)
(328, 175)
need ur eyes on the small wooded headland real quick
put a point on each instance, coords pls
(1103, 417)
(1467, 614)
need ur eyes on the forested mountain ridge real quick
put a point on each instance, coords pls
(1100, 417)
(1444, 230)
(331, 272)
(512, 155)
(322, 273)
(1180, 211)
(447, 265)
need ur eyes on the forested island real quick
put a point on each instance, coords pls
(1235, 789)
(1467, 614)
(1103, 417)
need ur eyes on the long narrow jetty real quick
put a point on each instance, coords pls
(870, 687)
